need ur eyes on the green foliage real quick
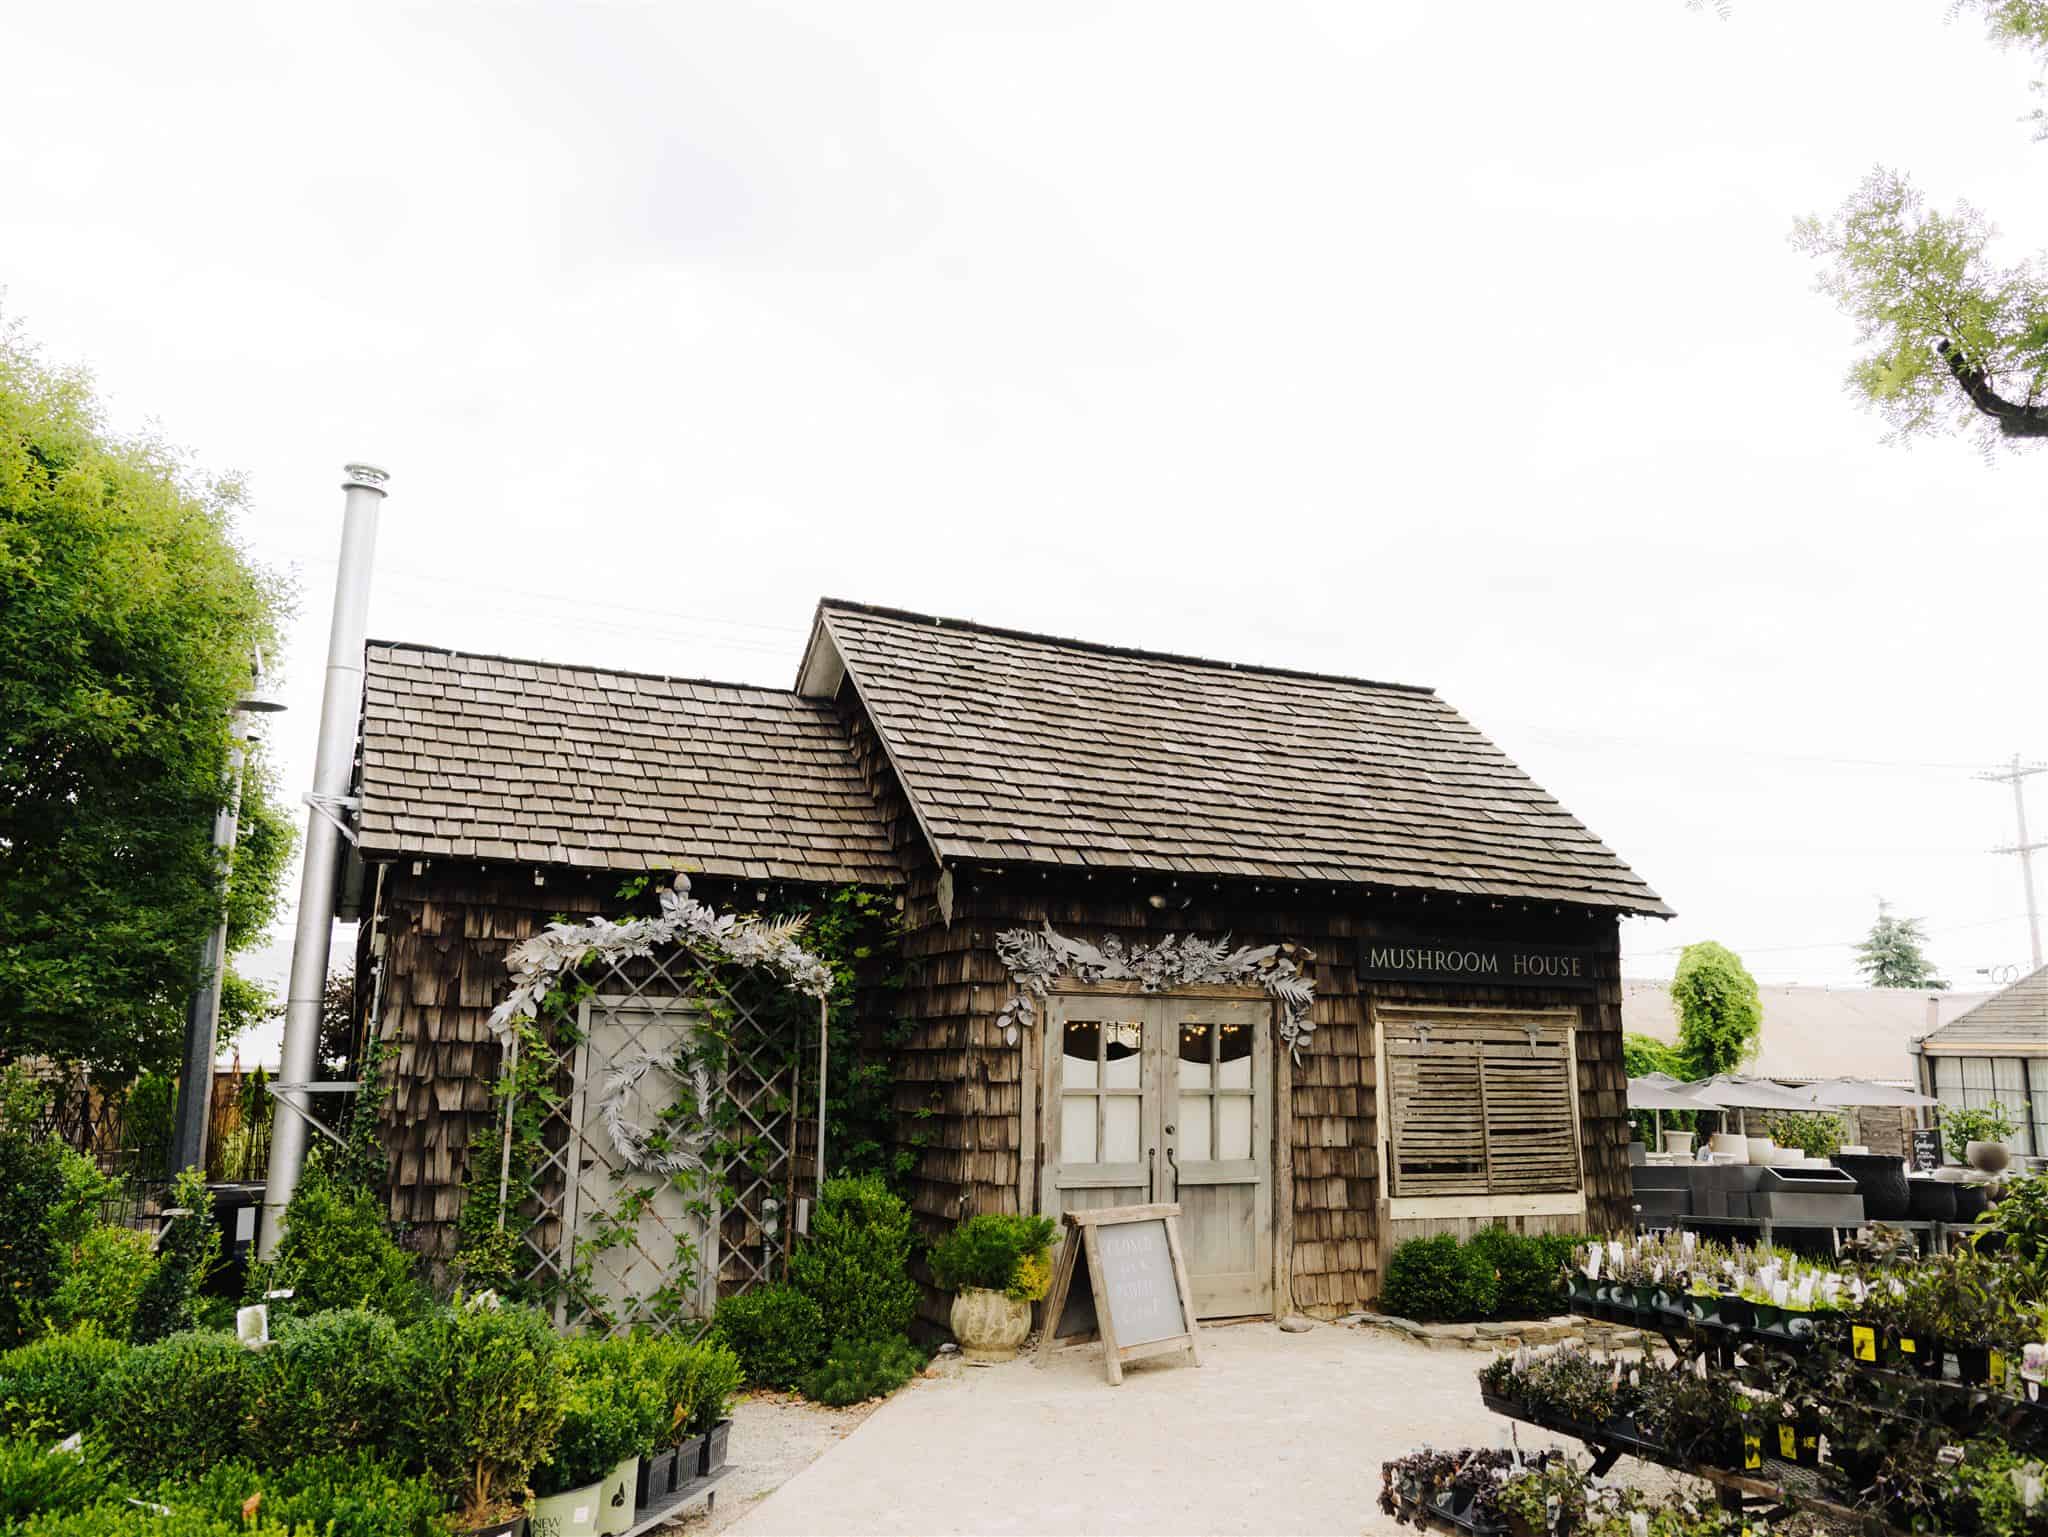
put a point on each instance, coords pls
(35, 1480)
(335, 1252)
(1720, 1015)
(1816, 1133)
(1438, 1280)
(1528, 1270)
(856, 933)
(859, 1369)
(76, 1211)
(175, 1408)
(486, 1399)
(1642, 1055)
(1895, 953)
(330, 1383)
(353, 1494)
(128, 620)
(31, 1184)
(998, 1251)
(776, 1332)
(110, 1520)
(106, 1276)
(187, 1254)
(53, 1387)
(696, 1378)
(1961, 1127)
(149, 1115)
(617, 1407)
(856, 1264)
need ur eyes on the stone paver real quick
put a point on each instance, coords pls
(1274, 1432)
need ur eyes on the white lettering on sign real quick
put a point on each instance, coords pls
(1533, 965)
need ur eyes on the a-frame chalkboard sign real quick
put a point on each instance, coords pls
(1120, 1275)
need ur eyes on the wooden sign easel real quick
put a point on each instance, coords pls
(1129, 1273)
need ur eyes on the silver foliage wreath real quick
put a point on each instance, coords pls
(630, 1140)
(1036, 958)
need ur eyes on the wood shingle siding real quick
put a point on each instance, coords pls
(483, 758)
(1026, 749)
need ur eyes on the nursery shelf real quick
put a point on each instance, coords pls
(672, 1506)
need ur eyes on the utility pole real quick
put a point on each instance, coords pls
(2016, 775)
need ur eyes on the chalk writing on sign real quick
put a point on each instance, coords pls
(1137, 1273)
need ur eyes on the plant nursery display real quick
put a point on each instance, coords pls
(997, 1265)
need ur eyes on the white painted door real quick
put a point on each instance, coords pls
(1169, 1099)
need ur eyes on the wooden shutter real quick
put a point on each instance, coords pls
(1481, 1105)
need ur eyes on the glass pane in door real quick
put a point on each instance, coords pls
(1122, 1054)
(1079, 1049)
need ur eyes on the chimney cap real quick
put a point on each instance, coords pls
(367, 476)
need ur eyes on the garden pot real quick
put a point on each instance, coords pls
(1760, 1149)
(716, 1439)
(1679, 1142)
(1882, 1179)
(1734, 1146)
(657, 1478)
(989, 1325)
(1989, 1157)
(1933, 1200)
(689, 1453)
(572, 1513)
(511, 1526)
(615, 1499)
(1927, 1354)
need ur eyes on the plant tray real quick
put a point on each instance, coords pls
(1437, 1516)
(646, 1521)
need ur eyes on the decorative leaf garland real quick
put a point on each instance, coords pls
(1036, 958)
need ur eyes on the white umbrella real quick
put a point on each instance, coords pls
(1728, 1092)
(1832, 1092)
(1659, 1092)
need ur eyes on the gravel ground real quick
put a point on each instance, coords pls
(773, 1438)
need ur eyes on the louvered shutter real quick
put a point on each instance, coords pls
(1480, 1106)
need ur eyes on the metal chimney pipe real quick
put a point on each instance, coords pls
(333, 769)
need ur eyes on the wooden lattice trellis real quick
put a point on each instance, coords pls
(650, 1140)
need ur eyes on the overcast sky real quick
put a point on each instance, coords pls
(1450, 344)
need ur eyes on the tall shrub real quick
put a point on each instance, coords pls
(856, 1265)
(486, 1398)
(336, 1252)
(187, 1254)
(31, 1182)
(330, 1383)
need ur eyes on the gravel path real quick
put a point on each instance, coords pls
(773, 1438)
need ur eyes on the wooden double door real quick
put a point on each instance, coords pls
(1166, 1098)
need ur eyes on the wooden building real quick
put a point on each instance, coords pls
(1307, 954)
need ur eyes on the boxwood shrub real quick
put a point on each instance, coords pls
(1438, 1280)
(615, 1409)
(486, 1398)
(336, 1252)
(777, 1332)
(35, 1479)
(53, 1387)
(175, 1408)
(1529, 1269)
(856, 1263)
(328, 1383)
(354, 1494)
(857, 1370)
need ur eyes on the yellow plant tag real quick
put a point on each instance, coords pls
(1752, 1451)
(1907, 1347)
(1788, 1442)
(1863, 1342)
(1997, 1369)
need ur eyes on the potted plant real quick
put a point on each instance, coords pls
(996, 1265)
(612, 1414)
(1977, 1136)
(486, 1403)
(1548, 1498)
(710, 1416)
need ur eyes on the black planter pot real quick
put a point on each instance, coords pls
(1928, 1355)
(1882, 1179)
(1933, 1200)
(1972, 1201)
(716, 1439)
(657, 1478)
(514, 1526)
(1973, 1362)
(689, 1460)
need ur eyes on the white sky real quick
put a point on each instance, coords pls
(1459, 345)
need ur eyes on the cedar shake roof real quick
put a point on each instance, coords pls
(1030, 749)
(485, 758)
(2016, 1016)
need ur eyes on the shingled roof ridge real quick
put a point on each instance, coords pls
(614, 672)
(1103, 648)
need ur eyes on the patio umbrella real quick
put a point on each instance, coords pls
(1728, 1092)
(1832, 1092)
(1657, 1093)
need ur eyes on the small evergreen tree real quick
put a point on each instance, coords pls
(1720, 1016)
(1893, 955)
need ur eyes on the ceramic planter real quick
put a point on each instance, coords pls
(572, 1513)
(989, 1325)
(615, 1499)
(1760, 1149)
(1882, 1180)
(1971, 1202)
(1679, 1142)
(1988, 1157)
(716, 1440)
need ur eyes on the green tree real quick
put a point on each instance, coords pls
(128, 622)
(1642, 1055)
(1720, 1015)
(1893, 955)
(1953, 339)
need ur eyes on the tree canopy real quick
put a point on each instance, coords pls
(1894, 955)
(1720, 1015)
(1952, 338)
(129, 619)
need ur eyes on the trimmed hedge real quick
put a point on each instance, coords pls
(777, 1332)
(175, 1408)
(329, 1383)
(54, 1386)
(1438, 1280)
(1529, 1269)
(856, 1266)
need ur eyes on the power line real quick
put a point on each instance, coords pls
(1841, 944)
(2016, 776)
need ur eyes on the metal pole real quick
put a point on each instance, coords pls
(2026, 850)
(202, 1014)
(340, 705)
(824, 1042)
